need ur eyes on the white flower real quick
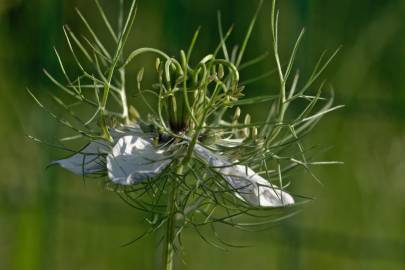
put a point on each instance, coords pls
(134, 158)
(248, 185)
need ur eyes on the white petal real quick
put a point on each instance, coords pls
(249, 186)
(91, 159)
(135, 159)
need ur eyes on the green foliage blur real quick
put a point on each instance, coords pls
(50, 219)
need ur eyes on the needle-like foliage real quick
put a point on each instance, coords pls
(198, 106)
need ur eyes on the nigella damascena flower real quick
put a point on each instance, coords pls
(135, 157)
(189, 163)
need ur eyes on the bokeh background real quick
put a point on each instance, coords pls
(50, 219)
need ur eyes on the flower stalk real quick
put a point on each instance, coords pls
(170, 232)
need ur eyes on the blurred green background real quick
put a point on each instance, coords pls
(50, 219)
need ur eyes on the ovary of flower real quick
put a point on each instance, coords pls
(248, 185)
(134, 160)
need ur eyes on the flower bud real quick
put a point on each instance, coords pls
(192, 125)
(247, 119)
(140, 75)
(237, 114)
(133, 114)
(254, 133)
(245, 133)
(157, 64)
(227, 100)
(173, 66)
(221, 72)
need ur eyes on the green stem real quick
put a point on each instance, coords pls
(170, 233)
